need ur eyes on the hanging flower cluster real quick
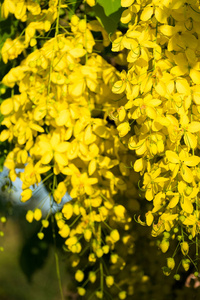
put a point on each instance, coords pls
(160, 120)
(38, 18)
(59, 120)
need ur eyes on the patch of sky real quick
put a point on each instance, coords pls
(11, 191)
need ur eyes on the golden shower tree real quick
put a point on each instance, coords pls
(101, 100)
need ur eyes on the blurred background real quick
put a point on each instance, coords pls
(28, 268)
(28, 265)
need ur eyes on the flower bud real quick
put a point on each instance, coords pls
(99, 252)
(122, 295)
(75, 260)
(29, 216)
(184, 248)
(81, 291)
(87, 234)
(114, 258)
(109, 281)
(164, 245)
(115, 235)
(91, 2)
(92, 257)
(166, 235)
(99, 294)
(40, 235)
(82, 25)
(74, 20)
(186, 264)
(166, 271)
(67, 210)
(45, 223)
(65, 230)
(33, 42)
(92, 277)
(105, 249)
(177, 277)
(79, 275)
(60, 223)
(170, 263)
(37, 214)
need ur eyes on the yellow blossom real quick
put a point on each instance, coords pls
(65, 230)
(26, 195)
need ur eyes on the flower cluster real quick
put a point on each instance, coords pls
(61, 126)
(160, 119)
(38, 18)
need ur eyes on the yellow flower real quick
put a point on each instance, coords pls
(64, 231)
(52, 148)
(185, 67)
(149, 218)
(91, 2)
(120, 86)
(123, 129)
(31, 174)
(186, 205)
(168, 220)
(190, 138)
(11, 49)
(115, 235)
(7, 7)
(67, 210)
(82, 184)
(152, 182)
(59, 192)
(26, 195)
(7, 106)
(15, 75)
(120, 212)
(127, 3)
(182, 162)
(128, 13)
(145, 106)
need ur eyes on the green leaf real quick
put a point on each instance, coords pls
(110, 22)
(72, 6)
(7, 29)
(110, 6)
